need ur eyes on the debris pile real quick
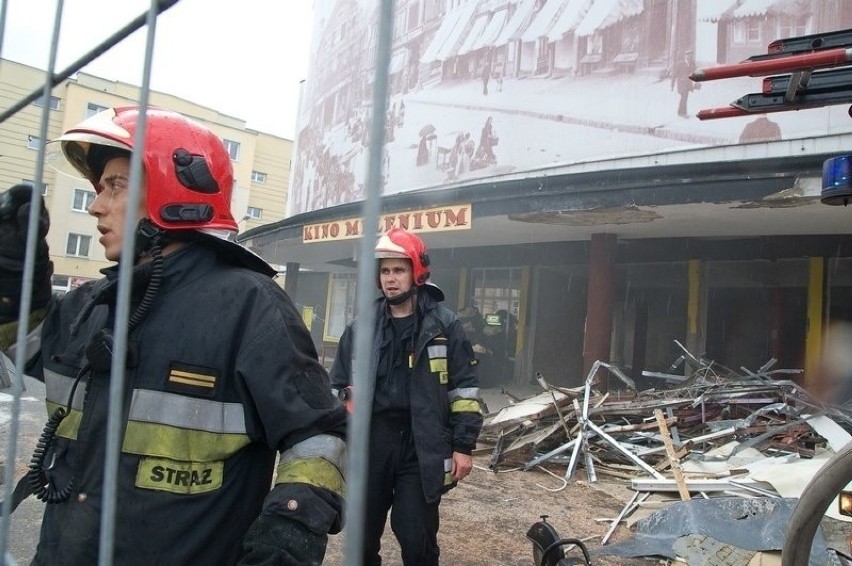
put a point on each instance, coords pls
(715, 433)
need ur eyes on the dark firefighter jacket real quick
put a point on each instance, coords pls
(221, 374)
(444, 395)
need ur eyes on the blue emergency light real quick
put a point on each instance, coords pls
(837, 180)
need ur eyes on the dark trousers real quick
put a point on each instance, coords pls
(393, 483)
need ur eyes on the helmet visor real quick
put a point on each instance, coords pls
(69, 153)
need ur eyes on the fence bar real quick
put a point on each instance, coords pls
(27, 287)
(122, 315)
(3, 4)
(364, 374)
(103, 47)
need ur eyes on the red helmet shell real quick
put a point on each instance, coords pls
(188, 170)
(400, 243)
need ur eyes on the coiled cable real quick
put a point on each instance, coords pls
(37, 479)
(39, 483)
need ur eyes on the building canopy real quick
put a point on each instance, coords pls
(605, 13)
(752, 8)
(447, 36)
(473, 36)
(453, 42)
(492, 30)
(544, 20)
(713, 11)
(511, 31)
(569, 19)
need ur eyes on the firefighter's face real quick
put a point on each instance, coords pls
(396, 276)
(110, 205)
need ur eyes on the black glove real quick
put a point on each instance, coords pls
(14, 221)
(273, 540)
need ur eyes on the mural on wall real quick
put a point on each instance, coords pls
(484, 88)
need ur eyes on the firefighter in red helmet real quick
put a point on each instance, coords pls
(426, 412)
(221, 373)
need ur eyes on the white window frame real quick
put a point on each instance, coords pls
(258, 177)
(753, 31)
(340, 305)
(76, 241)
(86, 196)
(93, 108)
(254, 212)
(233, 149)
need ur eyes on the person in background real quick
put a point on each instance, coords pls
(761, 129)
(426, 412)
(681, 70)
(221, 373)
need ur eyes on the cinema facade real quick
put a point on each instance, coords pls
(601, 224)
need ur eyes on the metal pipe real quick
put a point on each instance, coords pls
(103, 47)
(125, 268)
(27, 286)
(364, 374)
(788, 64)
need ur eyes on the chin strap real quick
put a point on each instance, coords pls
(147, 236)
(399, 299)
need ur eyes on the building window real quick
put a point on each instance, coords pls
(739, 32)
(92, 109)
(793, 26)
(54, 102)
(233, 149)
(254, 213)
(83, 199)
(340, 305)
(258, 177)
(33, 142)
(32, 183)
(61, 284)
(753, 30)
(78, 245)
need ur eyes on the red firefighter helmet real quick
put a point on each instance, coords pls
(188, 170)
(400, 243)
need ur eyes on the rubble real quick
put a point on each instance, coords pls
(710, 434)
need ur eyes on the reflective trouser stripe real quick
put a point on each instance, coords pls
(317, 472)
(464, 406)
(164, 441)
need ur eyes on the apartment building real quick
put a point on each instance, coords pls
(261, 161)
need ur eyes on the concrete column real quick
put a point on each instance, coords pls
(596, 342)
(292, 279)
(696, 310)
(640, 338)
(813, 334)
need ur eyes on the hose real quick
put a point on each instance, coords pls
(814, 501)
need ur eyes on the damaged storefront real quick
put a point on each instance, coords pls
(739, 270)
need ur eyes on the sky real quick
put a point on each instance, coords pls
(245, 59)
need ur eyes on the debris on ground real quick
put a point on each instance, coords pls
(712, 438)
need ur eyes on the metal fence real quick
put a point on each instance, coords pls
(363, 376)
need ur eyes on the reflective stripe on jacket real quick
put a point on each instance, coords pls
(222, 373)
(444, 370)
